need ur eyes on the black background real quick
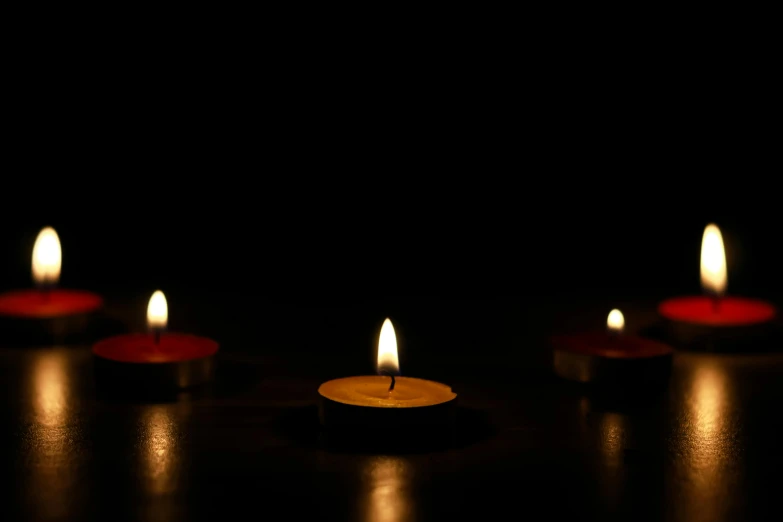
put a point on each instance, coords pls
(374, 236)
(339, 176)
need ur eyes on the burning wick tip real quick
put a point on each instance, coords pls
(390, 373)
(46, 291)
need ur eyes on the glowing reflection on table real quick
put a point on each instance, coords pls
(707, 439)
(158, 449)
(389, 495)
(53, 439)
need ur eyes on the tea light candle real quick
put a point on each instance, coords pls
(386, 402)
(610, 355)
(157, 358)
(47, 301)
(715, 316)
(387, 389)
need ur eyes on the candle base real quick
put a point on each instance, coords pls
(599, 358)
(137, 362)
(595, 369)
(762, 337)
(147, 378)
(58, 316)
(359, 428)
(736, 324)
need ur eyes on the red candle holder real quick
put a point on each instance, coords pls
(610, 356)
(48, 304)
(729, 324)
(53, 311)
(716, 321)
(156, 360)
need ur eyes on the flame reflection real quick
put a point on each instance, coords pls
(707, 436)
(52, 461)
(158, 451)
(612, 435)
(389, 496)
(608, 431)
(708, 408)
(50, 381)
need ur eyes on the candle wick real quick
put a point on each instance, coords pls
(46, 291)
(715, 304)
(156, 336)
(393, 382)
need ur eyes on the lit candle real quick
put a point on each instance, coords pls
(157, 358)
(47, 301)
(714, 314)
(611, 355)
(385, 402)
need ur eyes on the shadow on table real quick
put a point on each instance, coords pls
(301, 425)
(621, 396)
(231, 378)
(235, 377)
(141, 395)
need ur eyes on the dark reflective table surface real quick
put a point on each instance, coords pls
(702, 446)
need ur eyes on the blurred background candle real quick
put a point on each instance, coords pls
(609, 356)
(388, 482)
(47, 301)
(46, 313)
(715, 319)
(156, 359)
(54, 467)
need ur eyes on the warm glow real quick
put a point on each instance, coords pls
(388, 497)
(54, 455)
(47, 257)
(157, 311)
(713, 261)
(387, 350)
(615, 322)
(707, 439)
(708, 405)
(51, 388)
(159, 451)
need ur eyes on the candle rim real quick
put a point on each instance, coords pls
(107, 348)
(9, 303)
(765, 311)
(448, 394)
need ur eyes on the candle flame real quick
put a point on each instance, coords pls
(387, 350)
(157, 311)
(47, 257)
(713, 261)
(615, 322)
